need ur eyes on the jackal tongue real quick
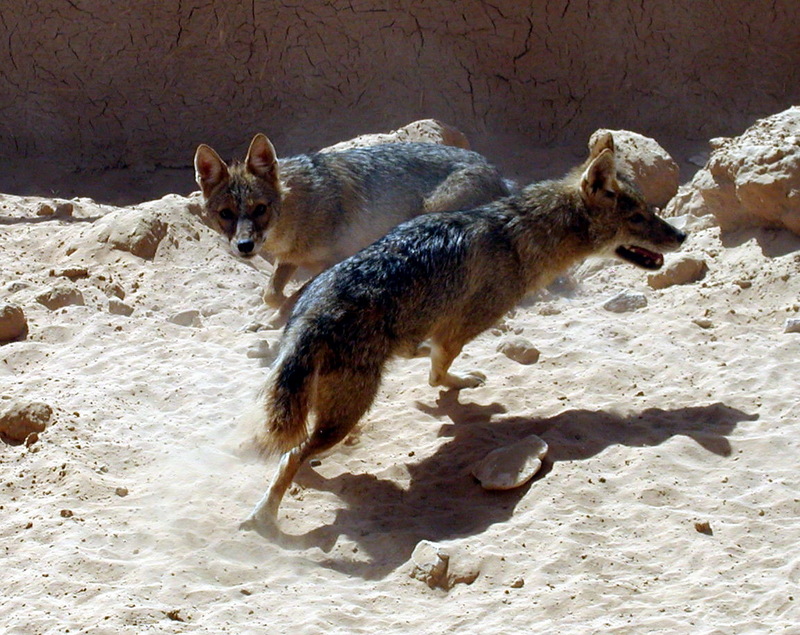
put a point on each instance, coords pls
(640, 256)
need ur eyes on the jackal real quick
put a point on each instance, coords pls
(430, 286)
(315, 210)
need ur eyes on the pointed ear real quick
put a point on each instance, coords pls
(261, 160)
(600, 178)
(209, 169)
(601, 140)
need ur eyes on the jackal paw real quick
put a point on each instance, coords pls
(471, 379)
(263, 524)
(273, 298)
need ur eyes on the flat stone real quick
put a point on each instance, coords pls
(512, 465)
(118, 307)
(626, 302)
(520, 350)
(682, 270)
(190, 317)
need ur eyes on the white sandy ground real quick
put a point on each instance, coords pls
(654, 423)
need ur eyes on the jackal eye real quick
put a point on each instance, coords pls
(226, 214)
(260, 210)
(638, 218)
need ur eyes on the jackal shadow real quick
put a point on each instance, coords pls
(444, 501)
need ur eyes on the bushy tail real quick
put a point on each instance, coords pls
(285, 399)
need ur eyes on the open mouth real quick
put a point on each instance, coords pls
(640, 257)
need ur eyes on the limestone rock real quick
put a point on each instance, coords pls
(520, 350)
(682, 270)
(138, 231)
(60, 295)
(118, 307)
(260, 350)
(752, 180)
(437, 567)
(650, 166)
(792, 325)
(512, 465)
(13, 324)
(626, 302)
(189, 317)
(22, 419)
(424, 130)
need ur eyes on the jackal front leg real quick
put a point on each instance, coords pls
(274, 296)
(442, 355)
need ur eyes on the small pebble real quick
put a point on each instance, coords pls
(13, 323)
(519, 350)
(792, 325)
(190, 317)
(704, 527)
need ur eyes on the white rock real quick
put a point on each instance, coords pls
(752, 180)
(429, 564)
(682, 270)
(442, 567)
(190, 317)
(650, 166)
(625, 302)
(138, 231)
(424, 130)
(260, 350)
(512, 465)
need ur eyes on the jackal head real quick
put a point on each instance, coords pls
(242, 199)
(622, 222)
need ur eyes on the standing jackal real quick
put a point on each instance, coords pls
(429, 287)
(315, 210)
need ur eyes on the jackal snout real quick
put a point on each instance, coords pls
(644, 237)
(634, 231)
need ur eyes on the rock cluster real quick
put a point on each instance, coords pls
(752, 180)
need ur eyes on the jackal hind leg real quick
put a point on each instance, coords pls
(264, 517)
(413, 350)
(464, 189)
(341, 399)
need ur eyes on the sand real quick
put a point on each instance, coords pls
(668, 501)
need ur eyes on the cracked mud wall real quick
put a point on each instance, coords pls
(92, 84)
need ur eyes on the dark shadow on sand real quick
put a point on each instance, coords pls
(444, 501)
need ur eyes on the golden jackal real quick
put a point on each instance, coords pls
(315, 210)
(430, 286)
